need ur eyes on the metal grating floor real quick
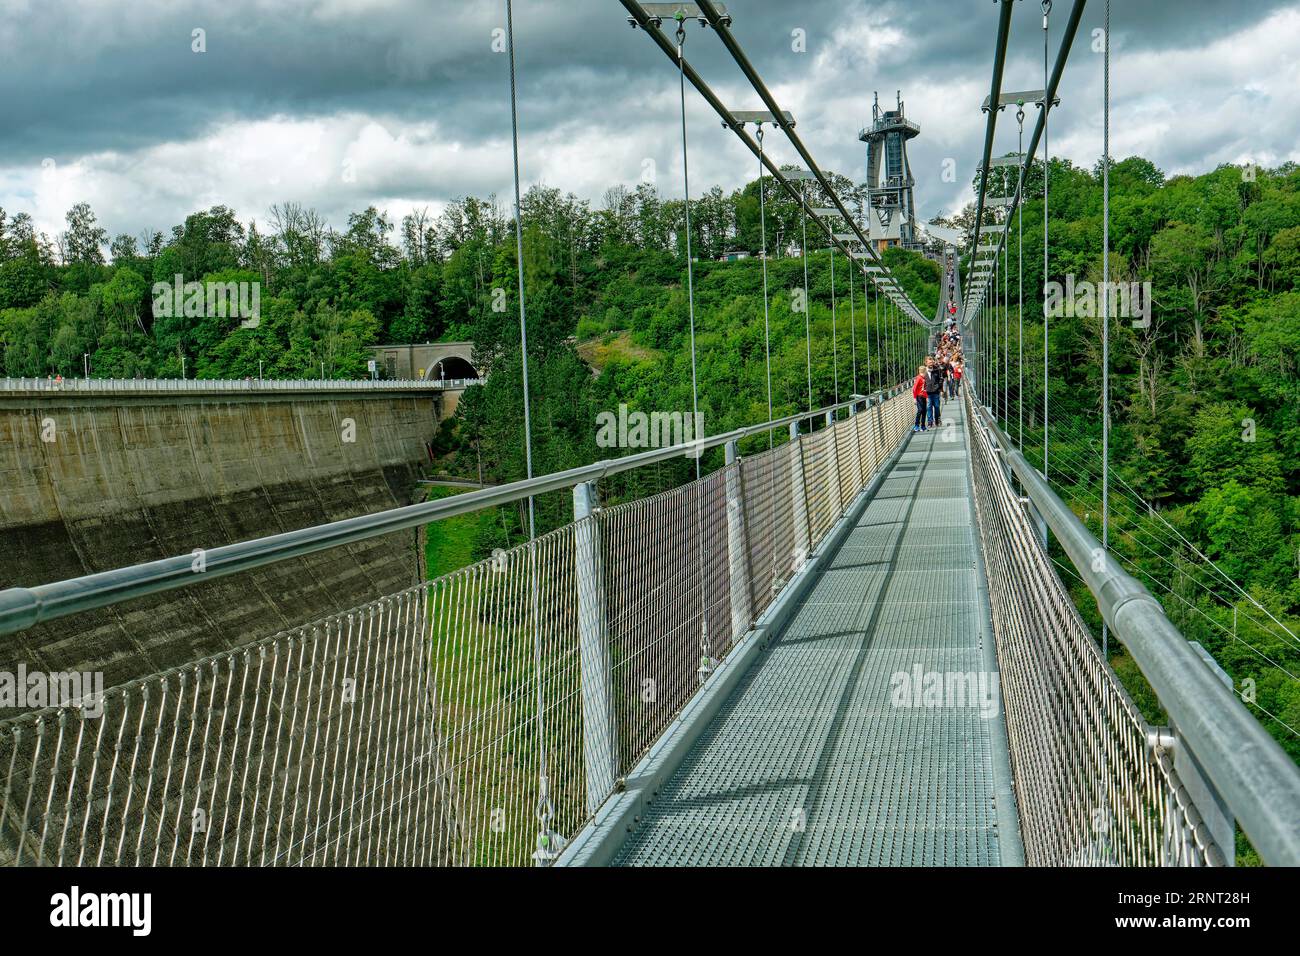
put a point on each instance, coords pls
(810, 762)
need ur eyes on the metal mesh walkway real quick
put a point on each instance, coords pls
(823, 756)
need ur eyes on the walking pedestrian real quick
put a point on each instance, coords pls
(934, 392)
(922, 400)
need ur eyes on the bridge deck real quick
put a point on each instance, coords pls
(809, 762)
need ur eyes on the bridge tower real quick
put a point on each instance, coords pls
(889, 177)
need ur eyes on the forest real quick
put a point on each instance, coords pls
(1205, 399)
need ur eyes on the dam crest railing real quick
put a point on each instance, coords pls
(121, 386)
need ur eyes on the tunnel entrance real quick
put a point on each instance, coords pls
(451, 367)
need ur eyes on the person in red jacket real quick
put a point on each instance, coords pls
(918, 393)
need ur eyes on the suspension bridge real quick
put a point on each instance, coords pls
(850, 643)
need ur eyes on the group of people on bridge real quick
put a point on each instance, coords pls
(942, 371)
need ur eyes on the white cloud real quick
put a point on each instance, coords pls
(336, 164)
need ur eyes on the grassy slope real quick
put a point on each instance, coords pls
(449, 544)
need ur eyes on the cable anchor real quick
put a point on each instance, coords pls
(550, 844)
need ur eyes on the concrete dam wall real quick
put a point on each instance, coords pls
(92, 482)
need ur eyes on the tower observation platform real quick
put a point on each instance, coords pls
(889, 176)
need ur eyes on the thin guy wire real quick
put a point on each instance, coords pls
(1020, 274)
(690, 299)
(807, 306)
(1047, 108)
(543, 774)
(767, 325)
(1105, 304)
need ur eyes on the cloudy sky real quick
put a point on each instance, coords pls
(339, 104)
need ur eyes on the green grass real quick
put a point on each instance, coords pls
(449, 544)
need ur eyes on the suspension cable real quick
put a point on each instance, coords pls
(884, 338)
(889, 332)
(1177, 538)
(519, 262)
(1020, 272)
(767, 324)
(913, 338)
(1082, 468)
(908, 340)
(990, 349)
(1105, 305)
(882, 361)
(722, 27)
(981, 314)
(1047, 163)
(995, 353)
(895, 328)
(686, 186)
(853, 331)
(1006, 314)
(651, 24)
(545, 808)
(835, 345)
(999, 62)
(807, 306)
(1067, 41)
(706, 663)
(904, 338)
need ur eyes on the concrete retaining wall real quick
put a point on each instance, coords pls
(94, 483)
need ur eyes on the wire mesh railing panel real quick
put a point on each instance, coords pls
(225, 760)
(404, 732)
(874, 437)
(820, 482)
(884, 429)
(865, 428)
(846, 456)
(888, 431)
(902, 407)
(1092, 790)
(768, 482)
(669, 608)
(504, 651)
(884, 437)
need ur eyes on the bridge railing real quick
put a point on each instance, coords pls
(245, 385)
(479, 718)
(1096, 783)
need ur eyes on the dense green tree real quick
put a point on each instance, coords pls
(85, 239)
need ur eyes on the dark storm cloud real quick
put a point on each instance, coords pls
(87, 77)
(82, 79)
